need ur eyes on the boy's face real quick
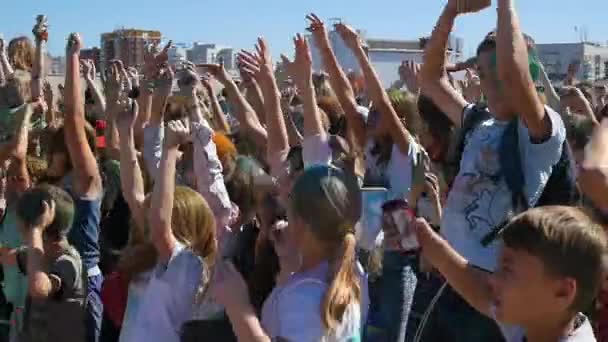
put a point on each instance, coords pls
(490, 84)
(525, 293)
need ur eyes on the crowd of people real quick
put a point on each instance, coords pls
(179, 204)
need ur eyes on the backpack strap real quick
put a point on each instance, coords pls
(510, 164)
(475, 115)
(512, 171)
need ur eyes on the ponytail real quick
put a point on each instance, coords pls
(345, 288)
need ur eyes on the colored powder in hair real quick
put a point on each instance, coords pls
(224, 146)
(534, 65)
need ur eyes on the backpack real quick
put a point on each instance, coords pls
(560, 189)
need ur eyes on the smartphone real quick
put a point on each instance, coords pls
(401, 218)
(370, 225)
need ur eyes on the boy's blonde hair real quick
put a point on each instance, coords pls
(21, 53)
(569, 244)
(17, 90)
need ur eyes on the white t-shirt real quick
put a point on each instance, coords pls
(293, 310)
(479, 199)
(583, 333)
(169, 299)
(396, 176)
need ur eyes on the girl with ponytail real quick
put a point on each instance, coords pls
(326, 299)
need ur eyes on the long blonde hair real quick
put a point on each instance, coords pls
(193, 225)
(21, 53)
(328, 200)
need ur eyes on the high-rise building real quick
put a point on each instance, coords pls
(202, 53)
(128, 45)
(177, 54)
(55, 65)
(227, 56)
(385, 55)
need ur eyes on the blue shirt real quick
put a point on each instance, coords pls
(84, 234)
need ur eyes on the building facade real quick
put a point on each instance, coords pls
(177, 54)
(128, 45)
(590, 59)
(203, 53)
(386, 55)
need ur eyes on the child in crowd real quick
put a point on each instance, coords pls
(56, 280)
(326, 299)
(541, 286)
(182, 229)
(481, 197)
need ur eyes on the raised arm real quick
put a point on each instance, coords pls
(87, 180)
(49, 98)
(161, 207)
(338, 80)
(434, 81)
(301, 71)
(154, 133)
(260, 65)
(247, 117)
(131, 180)
(40, 32)
(389, 119)
(552, 96)
(216, 110)
(253, 95)
(7, 68)
(41, 285)
(89, 72)
(114, 91)
(15, 145)
(593, 174)
(514, 72)
(469, 282)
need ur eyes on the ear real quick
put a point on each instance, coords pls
(565, 292)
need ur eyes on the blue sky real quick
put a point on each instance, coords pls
(239, 22)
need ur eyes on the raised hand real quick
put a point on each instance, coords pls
(408, 73)
(177, 133)
(468, 6)
(114, 84)
(88, 69)
(472, 87)
(154, 60)
(2, 46)
(249, 64)
(127, 115)
(39, 218)
(49, 96)
(317, 28)
(40, 30)
(189, 79)
(74, 44)
(349, 35)
(301, 68)
(218, 72)
(133, 75)
(164, 82)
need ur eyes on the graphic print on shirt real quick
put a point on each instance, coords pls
(478, 187)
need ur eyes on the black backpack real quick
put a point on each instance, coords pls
(561, 188)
